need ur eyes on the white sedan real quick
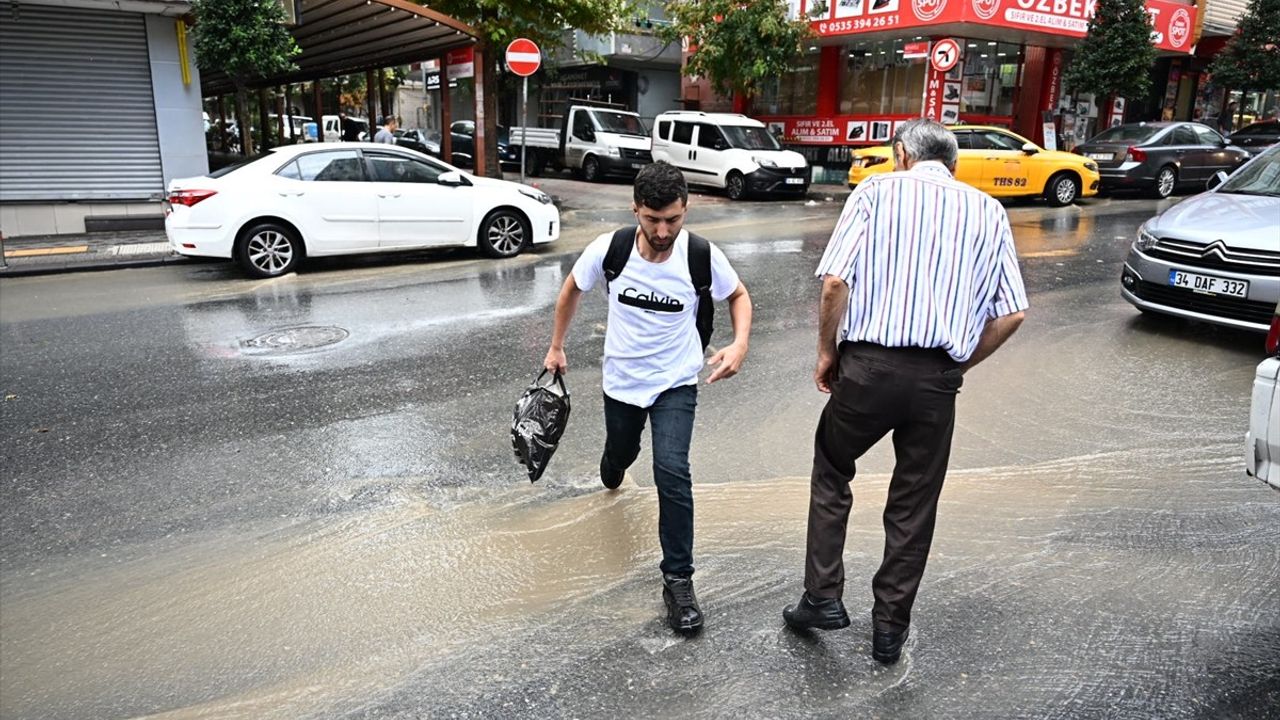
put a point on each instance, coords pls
(1262, 442)
(348, 198)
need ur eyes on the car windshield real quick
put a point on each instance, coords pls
(750, 138)
(1127, 134)
(1260, 177)
(619, 123)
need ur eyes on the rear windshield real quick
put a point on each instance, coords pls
(750, 138)
(237, 165)
(1127, 134)
(1260, 177)
(1262, 128)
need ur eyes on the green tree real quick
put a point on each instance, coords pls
(738, 46)
(247, 41)
(1251, 58)
(1116, 55)
(498, 22)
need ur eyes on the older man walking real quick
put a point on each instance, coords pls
(920, 282)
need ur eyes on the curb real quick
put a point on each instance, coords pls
(23, 270)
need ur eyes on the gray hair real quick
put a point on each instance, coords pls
(925, 139)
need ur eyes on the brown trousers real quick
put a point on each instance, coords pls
(911, 392)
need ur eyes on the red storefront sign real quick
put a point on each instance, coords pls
(836, 130)
(915, 50)
(1172, 23)
(1052, 82)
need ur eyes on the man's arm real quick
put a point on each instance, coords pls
(994, 333)
(730, 359)
(835, 298)
(566, 307)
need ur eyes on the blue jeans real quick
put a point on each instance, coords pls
(672, 416)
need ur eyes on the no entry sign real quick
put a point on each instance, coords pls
(523, 57)
(945, 55)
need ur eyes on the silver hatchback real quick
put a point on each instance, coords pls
(1216, 256)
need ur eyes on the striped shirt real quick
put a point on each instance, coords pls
(928, 261)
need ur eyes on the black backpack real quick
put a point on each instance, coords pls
(699, 270)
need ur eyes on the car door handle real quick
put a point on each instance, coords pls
(388, 195)
(1180, 153)
(300, 193)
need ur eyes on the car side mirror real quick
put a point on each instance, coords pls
(452, 179)
(1030, 148)
(1217, 179)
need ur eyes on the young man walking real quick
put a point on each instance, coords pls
(653, 351)
(920, 282)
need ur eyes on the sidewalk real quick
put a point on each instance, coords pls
(41, 255)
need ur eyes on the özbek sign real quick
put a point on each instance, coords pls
(1172, 23)
(523, 57)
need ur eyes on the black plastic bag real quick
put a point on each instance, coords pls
(540, 418)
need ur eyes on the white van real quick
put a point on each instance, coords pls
(333, 129)
(730, 151)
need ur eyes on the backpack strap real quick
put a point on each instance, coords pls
(624, 239)
(700, 273)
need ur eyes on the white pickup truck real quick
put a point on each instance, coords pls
(592, 141)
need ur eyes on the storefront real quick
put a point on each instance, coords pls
(869, 69)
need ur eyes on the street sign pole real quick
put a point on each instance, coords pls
(524, 122)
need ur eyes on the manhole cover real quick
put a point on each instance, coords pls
(294, 340)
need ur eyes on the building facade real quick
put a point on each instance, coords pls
(99, 109)
(869, 70)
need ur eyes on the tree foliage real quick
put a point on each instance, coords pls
(738, 46)
(243, 38)
(1116, 55)
(1251, 58)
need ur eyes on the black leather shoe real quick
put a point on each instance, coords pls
(608, 476)
(683, 614)
(886, 645)
(816, 613)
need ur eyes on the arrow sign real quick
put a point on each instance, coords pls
(523, 57)
(945, 55)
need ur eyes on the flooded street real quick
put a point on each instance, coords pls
(224, 498)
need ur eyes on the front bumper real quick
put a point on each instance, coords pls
(545, 220)
(1144, 283)
(782, 181)
(626, 166)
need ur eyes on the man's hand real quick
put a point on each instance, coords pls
(556, 361)
(824, 376)
(729, 361)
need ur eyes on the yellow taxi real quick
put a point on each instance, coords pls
(1002, 164)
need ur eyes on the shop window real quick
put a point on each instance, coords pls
(794, 92)
(875, 80)
(990, 77)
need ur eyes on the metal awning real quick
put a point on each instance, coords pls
(341, 37)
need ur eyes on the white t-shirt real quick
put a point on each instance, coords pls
(652, 342)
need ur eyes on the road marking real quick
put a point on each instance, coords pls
(32, 252)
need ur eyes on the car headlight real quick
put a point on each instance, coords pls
(764, 162)
(1145, 240)
(536, 194)
(1091, 167)
(613, 152)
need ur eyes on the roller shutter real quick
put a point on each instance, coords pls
(77, 115)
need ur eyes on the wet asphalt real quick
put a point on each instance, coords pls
(297, 498)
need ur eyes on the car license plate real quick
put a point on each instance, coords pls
(636, 166)
(1209, 284)
(1100, 156)
(795, 181)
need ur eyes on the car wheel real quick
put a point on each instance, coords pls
(735, 186)
(591, 169)
(268, 250)
(1166, 180)
(1063, 190)
(532, 164)
(504, 233)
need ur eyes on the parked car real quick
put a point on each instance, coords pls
(593, 141)
(729, 151)
(462, 136)
(1216, 256)
(1257, 137)
(1262, 442)
(1160, 157)
(337, 199)
(424, 141)
(1000, 163)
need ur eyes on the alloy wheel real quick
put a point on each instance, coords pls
(1164, 182)
(1065, 191)
(270, 251)
(506, 234)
